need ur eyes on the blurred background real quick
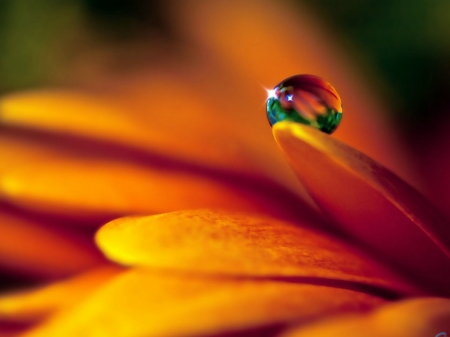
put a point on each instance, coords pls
(401, 49)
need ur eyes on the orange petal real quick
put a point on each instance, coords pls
(33, 248)
(370, 203)
(87, 184)
(410, 318)
(238, 244)
(178, 124)
(265, 42)
(68, 113)
(145, 303)
(203, 142)
(33, 305)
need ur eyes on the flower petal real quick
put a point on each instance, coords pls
(43, 251)
(84, 184)
(145, 303)
(36, 304)
(178, 125)
(370, 203)
(410, 318)
(237, 244)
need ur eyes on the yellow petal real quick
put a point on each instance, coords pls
(43, 251)
(89, 185)
(145, 303)
(69, 113)
(237, 244)
(410, 318)
(370, 203)
(33, 305)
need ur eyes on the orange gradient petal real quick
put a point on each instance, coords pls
(237, 244)
(145, 303)
(410, 318)
(141, 114)
(85, 183)
(173, 135)
(370, 203)
(36, 304)
(42, 251)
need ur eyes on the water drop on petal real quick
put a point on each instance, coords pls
(305, 99)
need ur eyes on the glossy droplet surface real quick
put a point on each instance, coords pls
(305, 99)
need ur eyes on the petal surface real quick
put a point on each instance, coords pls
(237, 244)
(179, 125)
(410, 318)
(33, 248)
(84, 183)
(370, 203)
(36, 304)
(145, 303)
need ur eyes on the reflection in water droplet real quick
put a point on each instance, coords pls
(305, 99)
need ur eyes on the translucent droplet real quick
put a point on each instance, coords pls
(305, 99)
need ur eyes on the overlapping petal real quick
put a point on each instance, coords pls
(175, 125)
(92, 185)
(217, 166)
(36, 249)
(33, 305)
(409, 318)
(370, 203)
(147, 303)
(242, 245)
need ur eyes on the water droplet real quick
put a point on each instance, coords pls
(305, 99)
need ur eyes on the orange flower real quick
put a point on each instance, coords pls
(219, 237)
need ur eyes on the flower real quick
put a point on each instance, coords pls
(233, 245)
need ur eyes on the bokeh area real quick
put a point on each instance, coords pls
(402, 47)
